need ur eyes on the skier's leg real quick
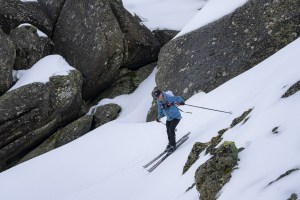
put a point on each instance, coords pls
(173, 125)
(168, 124)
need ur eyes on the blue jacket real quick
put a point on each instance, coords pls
(167, 107)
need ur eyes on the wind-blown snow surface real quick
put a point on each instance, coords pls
(107, 162)
(212, 11)
(164, 14)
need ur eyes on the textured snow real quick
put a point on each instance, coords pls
(41, 71)
(107, 162)
(164, 14)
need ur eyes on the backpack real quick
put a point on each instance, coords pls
(170, 93)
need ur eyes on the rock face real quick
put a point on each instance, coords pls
(63, 136)
(140, 45)
(30, 48)
(105, 114)
(52, 7)
(15, 12)
(206, 58)
(216, 172)
(90, 39)
(33, 112)
(164, 36)
(97, 40)
(7, 58)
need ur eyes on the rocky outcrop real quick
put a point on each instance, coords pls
(240, 118)
(15, 12)
(206, 58)
(7, 58)
(98, 40)
(140, 45)
(194, 155)
(126, 81)
(293, 197)
(31, 113)
(30, 48)
(105, 114)
(63, 136)
(90, 39)
(216, 172)
(164, 36)
(212, 144)
(287, 173)
(52, 7)
(292, 90)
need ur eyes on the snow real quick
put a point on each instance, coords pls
(107, 162)
(40, 33)
(212, 11)
(48, 66)
(169, 14)
(134, 106)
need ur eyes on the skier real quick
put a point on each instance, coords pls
(167, 105)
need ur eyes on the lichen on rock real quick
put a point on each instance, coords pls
(240, 118)
(216, 172)
(293, 197)
(194, 155)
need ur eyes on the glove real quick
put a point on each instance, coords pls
(157, 119)
(182, 103)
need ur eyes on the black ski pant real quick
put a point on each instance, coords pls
(171, 125)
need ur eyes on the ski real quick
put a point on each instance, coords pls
(165, 151)
(167, 155)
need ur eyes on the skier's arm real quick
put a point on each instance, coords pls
(160, 112)
(176, 99)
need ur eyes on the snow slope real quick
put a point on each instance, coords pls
(212, 11)
(164, 14)
(106, 163)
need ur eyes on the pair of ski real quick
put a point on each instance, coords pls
(166, 153)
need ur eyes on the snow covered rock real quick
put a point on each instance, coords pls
(15, 12)
(207, 57)
(52, 7)
(105, 114)
(33, 111)
(7, 58)
(140, 45)
(63, 136)
(216, 172)
(30, 48)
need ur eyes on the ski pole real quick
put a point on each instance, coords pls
(184, 111)
(165, 125)
(208, 109)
